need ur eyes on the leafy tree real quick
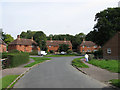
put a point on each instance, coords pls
(7, 38)
(108, 23)
(63, 47)
(40, 38)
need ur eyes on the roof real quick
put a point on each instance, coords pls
(87, 43)
(22, 41)
(116, 35)
(57, 42)
(2, 42)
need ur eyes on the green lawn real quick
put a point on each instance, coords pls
(37, 60)
(111, 65)
(78, 63)
(115, 82)
(7, 80)
(67, 55)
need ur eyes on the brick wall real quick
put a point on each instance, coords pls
(3, 48)
(114, 46)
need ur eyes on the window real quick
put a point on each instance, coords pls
(83, 46)
(95, 46)
(32, 46)
(88, 50)
(109, 50)
(95, 50)
(49, 46)
(88, 47)
(83, 50)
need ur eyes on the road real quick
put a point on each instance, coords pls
(57, 73)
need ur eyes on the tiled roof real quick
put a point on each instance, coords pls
(2, 42)
(57, 42)
(22, 41)
(87, 43)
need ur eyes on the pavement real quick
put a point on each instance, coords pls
(15, 71)
(58, 73)
(102, 75)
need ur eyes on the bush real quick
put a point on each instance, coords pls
(91, 56)
(15, 60)
(14, 51)
(4, 55)
(69, 51)
(98, 54)
(35, 52)
(51, 51)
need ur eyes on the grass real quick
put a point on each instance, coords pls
(78, 63)
(115, 82)
(37, 60)
(111, 65)
(7, 80)
(67, 55)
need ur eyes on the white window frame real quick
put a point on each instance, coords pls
(109, 50)
(95, 46)
(49, 46)
(83, 46)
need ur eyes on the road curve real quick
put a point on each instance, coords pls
(57, 73)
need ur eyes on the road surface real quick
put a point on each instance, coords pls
(57, 73)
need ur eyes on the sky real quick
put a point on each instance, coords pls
(51, 16)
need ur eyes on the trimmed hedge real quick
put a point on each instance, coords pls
(35, 52)
(15, 60)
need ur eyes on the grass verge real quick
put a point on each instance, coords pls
(111, 65)
(115, 82)
(37, 60)
(7, 80)
(78, 63)
(67, 55)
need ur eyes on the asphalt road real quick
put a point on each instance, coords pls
(57, 73)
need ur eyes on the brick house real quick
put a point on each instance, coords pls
(25, 45)
(88, 46)
(53, 45)
(111, 49)
(3, 46)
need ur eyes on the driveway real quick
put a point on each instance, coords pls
(57, 73)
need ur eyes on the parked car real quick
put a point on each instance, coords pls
(42, 53)
(63, 52)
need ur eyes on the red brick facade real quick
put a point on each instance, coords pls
(25, 45)
(88, 46)
(53, 45)
(111, 50)
(3, 46)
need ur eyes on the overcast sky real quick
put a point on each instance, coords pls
(51, 16)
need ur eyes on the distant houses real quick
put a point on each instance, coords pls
(111, 49)
(53, 45)
(25, 45)
(3, 46)
(88, 46)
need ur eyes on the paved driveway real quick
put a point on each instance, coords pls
(57, 73)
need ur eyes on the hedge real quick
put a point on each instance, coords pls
(15, 60)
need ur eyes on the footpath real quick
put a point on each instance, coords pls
(15, 71)
(97, 73)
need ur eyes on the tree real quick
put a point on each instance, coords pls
(7, 38)
(108, 23)
(40, 38)
(63, 47)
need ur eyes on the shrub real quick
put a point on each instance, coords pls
(34, 52)
(91, 56)
(15, 60)
(14, 51)
(4, 55)
(51, 51)
(69, 51)
(98, 54)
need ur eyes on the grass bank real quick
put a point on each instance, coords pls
(78, 63)
(111, 65)
(37, 60)
(67, 55)
(7, 80)
(115, 82)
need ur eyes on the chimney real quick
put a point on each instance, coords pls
(64, 39)
(32, 38)
(51, 39)
(83, 40)
(18, 37)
